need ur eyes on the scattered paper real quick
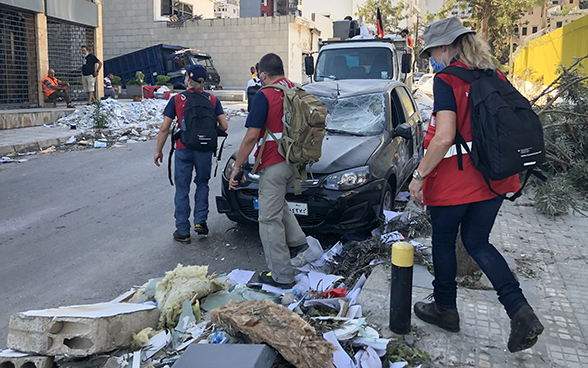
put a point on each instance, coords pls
(354, 293)
(340, 358)
(156, 343)
(98, 310)
(418, 245)
(379, 345)
(241, 276)
(391, 215)
(320, 281)
(391, 238)
(368, 358)
(402, 197)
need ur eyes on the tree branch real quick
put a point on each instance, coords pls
(566, 70)
(551, 101)
(567, 112)
(564, 123)
(555, 159)
(558, 149)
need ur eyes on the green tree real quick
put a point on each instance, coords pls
(391, 14)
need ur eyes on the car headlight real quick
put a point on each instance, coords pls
(348, 179)
(229, 168)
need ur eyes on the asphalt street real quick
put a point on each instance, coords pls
(84, 226)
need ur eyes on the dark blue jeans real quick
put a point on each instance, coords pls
(187, 160)
(476, 221)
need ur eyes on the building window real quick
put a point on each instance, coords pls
(264, 2)
(516, 30)
(534, 29)
(559, 25)
(264, 14)
(524, 31)
(175, 7)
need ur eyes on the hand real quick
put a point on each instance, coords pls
(415, 188)
(95, 74)
(233, 182)
(158, 158)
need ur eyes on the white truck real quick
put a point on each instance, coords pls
(379, 58)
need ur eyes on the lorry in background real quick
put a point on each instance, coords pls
(345, 58)
(162, 59)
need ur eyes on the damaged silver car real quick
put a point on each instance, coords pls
(372, 146)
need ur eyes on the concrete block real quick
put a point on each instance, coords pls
(227, 356)
(80, 330)
(15, 359)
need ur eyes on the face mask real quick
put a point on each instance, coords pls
(437, 66)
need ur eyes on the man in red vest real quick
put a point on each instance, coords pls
(279, 231)
(53, 88)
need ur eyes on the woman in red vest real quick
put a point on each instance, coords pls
(461, 197)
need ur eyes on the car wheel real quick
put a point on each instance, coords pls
(387, 203)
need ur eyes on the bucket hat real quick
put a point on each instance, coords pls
(195, 72)
(443, 32)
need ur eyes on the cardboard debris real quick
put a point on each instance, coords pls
(183, 283)
(266, 322)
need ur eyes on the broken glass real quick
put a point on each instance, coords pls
(357, 115)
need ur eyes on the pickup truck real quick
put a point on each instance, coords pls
(361, 58)
(162, 59)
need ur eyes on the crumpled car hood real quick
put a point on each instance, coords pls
(341, 152)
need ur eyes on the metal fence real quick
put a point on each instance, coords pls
(65, 55)
(19, 82)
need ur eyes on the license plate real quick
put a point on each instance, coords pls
(296, 208)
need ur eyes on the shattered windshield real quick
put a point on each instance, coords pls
(354, 63)
(357, 115)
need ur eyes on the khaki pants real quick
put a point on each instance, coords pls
(278, 227)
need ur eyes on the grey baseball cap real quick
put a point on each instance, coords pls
(442, 32)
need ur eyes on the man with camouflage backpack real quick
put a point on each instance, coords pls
(281, 156)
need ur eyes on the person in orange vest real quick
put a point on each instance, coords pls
(404, 34)
(53, 88)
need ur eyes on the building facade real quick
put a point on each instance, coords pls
(234, 43)
(227, 9)
(36, 35)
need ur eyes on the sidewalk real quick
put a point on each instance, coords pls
(555, 251)
(31, 139)
(38, 138)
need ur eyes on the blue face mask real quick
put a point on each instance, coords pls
(437, 66)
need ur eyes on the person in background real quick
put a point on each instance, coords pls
(89, 73)
(404, 34)
(108, 88)
(53, 88)
(460, 199)
(253, 85)
(253, 72)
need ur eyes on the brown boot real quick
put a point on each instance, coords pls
(447, 319)
(525, 327)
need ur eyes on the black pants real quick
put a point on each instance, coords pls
(63, 94)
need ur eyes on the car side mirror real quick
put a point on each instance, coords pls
(406, 63)
(309, 65)
(404, 130)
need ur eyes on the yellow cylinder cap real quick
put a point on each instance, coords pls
(403, 254)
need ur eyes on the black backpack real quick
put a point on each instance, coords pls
(198, 129)
(507, 136)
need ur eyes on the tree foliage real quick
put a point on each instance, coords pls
(495, 20)
(565, 127)
(391, 14)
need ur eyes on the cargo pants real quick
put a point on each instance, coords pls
(278, 228)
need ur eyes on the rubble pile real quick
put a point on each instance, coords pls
(316, 324)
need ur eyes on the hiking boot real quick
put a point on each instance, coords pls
(184, 239)
(447, 319)
(524, 329)
(265, 277)
(201, 229)
(299, 249)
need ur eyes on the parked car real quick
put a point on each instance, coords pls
(371, 149)
(424, 78)
(427, 86)
(416, 76)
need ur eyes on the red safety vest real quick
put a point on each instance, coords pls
(446, 185)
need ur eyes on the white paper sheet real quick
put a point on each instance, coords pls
(368, 358)
(391, 238)
(354, 293)
(98, 310)
(320, 281)
(157, 343)
(340, 358)
(391, 215)
(241, 276)
(8, 353)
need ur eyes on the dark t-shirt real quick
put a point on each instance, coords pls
(89, 66)
(444, 97)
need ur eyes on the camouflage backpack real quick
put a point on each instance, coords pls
(303, 131)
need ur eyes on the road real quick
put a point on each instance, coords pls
(83, 227)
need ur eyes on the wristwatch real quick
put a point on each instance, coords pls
(417, 176)
(236, 167)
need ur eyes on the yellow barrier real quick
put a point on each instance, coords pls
(543, 54)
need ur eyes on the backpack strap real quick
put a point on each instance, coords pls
(171, 153)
